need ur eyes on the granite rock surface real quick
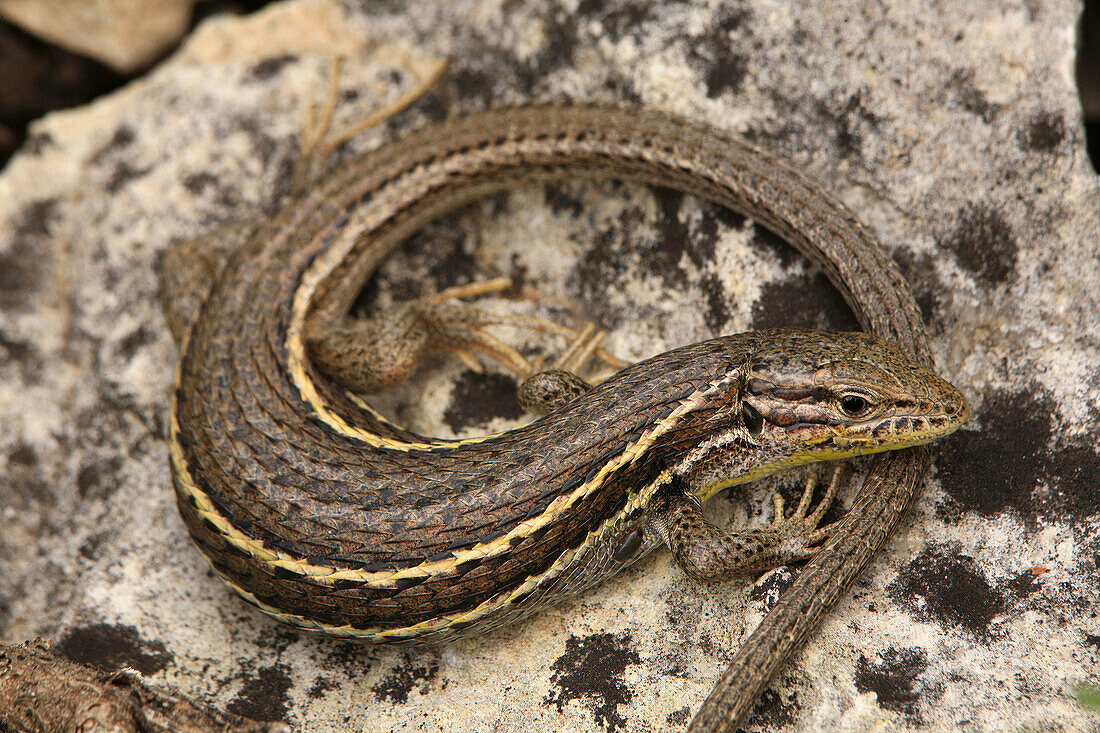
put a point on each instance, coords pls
(952, 129)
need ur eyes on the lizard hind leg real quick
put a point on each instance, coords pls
(372, 355)
(369, 356)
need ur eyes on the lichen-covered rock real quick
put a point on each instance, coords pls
(954, 133)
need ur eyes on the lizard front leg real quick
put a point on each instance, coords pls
(709, 553)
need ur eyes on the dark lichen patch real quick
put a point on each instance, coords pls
(23, 457)
(705, 234)
(263, 696)
(562, 34)
(1092, 640)
(497, 66)
(454, 265)
(844, 121)
(320, 686)
(717, 311)
(698, 242)
(678, 718)
(518, 272)
(400, 681)
(966, 95)
(996, 467)
(122, 174)
(944, 586)
(770, 242)
(471, 84)
(563, 202)
(269, 67)
(673, 239)
(341, 657)
(1073, 472)
(124, 137)
(24, 477)
(628, 250)
(803, 301)
(107, 432)
(25, 354)
(919, 270)
(1025, 583)
(853, 120)
(591, 672)
(774, 710)
(266, 147)
(93, 546)
(200, 183)
(724, 63)
(1014, 461)
(894, 680)
(984, 244)
(596, 272)
(111, 647)
(1044, 132)
(620, 19)
(278, 639)
(479, 398)
(726, 72)
(98, 479)
(133, 341)
(22, 265)
(587, 9)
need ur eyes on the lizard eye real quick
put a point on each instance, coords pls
(853, 404)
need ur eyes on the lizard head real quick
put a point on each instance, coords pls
(845, 394)
(807, 396)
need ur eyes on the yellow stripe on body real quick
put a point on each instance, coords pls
(389, 578)
(636, 501)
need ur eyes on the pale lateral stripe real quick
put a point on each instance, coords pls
(388, 578)
(441, 623)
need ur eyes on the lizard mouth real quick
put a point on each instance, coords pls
(817, 426)
(880, 434)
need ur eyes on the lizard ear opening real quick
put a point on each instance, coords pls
(754, 421)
